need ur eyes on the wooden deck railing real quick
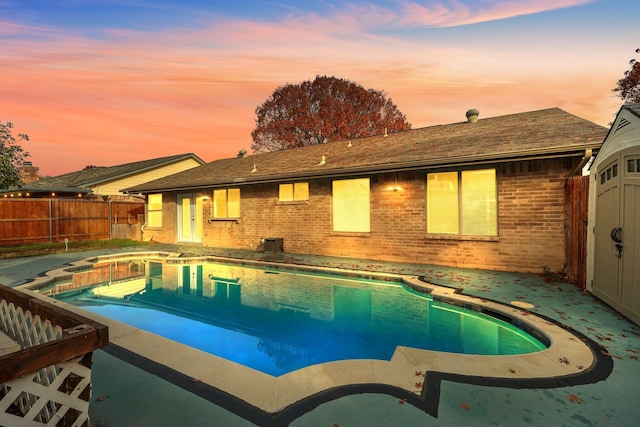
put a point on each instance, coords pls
(49, 376)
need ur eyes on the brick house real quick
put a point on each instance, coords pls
(485, 193)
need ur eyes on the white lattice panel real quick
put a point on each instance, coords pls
(27, 401)
(57, 395)
(26, 329)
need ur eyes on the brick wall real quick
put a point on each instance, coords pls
(530, 209)
(166, 234)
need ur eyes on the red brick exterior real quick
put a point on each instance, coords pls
(530, 210)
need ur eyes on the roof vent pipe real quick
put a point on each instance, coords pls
(472, 115)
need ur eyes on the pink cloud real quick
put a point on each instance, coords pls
(455, 13)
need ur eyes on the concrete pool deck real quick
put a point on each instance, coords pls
(129, 392)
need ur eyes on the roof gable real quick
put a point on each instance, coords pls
(624, 132)
(544, 132)
(100, 174)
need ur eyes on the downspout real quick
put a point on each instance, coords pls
(588, 153)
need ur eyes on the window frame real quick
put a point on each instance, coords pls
(351, 209)
(226, 193)
(294, 197)
(462, 204)
(157, 210)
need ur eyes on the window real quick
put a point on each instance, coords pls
(442, 203)
(226, 203)
(298, 191)
(154, 210)
(610, 173)
(462, 202)
(633, 165)
(351, 205)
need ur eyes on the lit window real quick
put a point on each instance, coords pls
(442, 203)
(351, 205)
(154, 210)
(462, 203)
(226, 203)
(298, 191)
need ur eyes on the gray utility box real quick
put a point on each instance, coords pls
(274, 244)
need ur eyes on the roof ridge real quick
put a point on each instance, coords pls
(550, 132)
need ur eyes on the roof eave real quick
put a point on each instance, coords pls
(493, 158)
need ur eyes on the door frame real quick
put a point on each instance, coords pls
(190, 204)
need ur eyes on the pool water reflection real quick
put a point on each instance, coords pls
(278, 321)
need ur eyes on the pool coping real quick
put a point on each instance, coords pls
(412, 375)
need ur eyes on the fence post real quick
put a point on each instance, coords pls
(50, 223)
(110, 220)
(57, 219)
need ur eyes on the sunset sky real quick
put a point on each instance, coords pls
(115, 81)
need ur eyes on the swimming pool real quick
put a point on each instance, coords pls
(414, 375)
(280, 320)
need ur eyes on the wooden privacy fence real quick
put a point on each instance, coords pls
(576, 215)
(27, 221)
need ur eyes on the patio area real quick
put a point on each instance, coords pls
(127, 391)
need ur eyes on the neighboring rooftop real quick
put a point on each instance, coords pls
(545, 133)
(81, 182)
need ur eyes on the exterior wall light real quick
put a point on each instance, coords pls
(395, 187)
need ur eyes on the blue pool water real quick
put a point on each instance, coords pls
(280, 321)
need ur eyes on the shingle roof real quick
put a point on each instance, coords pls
(544, 133)
(92, 176)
